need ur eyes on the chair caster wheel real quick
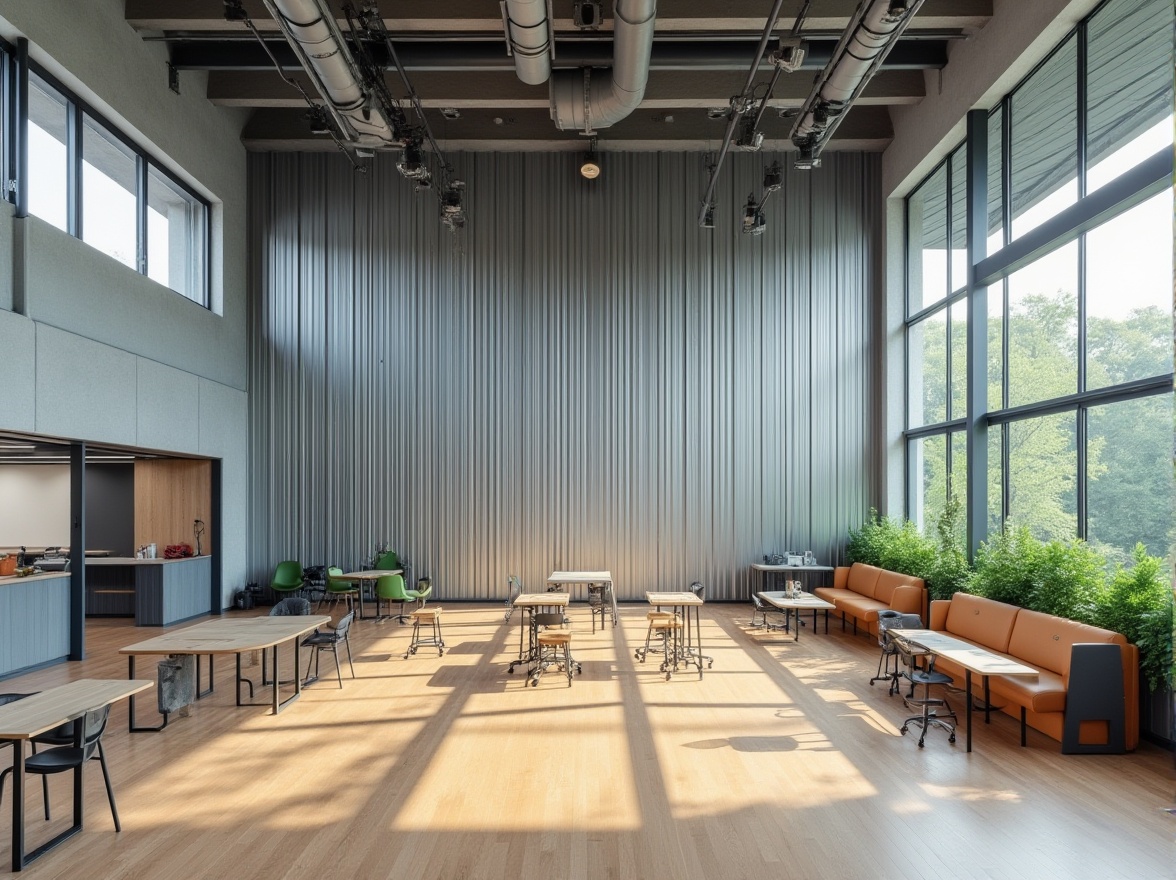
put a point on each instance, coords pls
(668, 674)
(441, 652)
(920, 744)
(710, 664)
(951, 739)
(903, 731)
(535, 683)
(405, 656)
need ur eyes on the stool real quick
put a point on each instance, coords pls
(433, 640)
(653, 617)
(599, 602)
(667, 627)
(929, 719)
(549, 643)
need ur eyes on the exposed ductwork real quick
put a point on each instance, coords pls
(528, 31)
(872, 32)
(311, 31)
(585, 102)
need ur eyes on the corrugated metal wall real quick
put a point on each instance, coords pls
(581, 379)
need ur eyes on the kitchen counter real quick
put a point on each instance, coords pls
(43, 576)
(156, 592)
(34, 621)
(130, 560)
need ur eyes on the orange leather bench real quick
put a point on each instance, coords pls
(861, 591)
(1044, 642)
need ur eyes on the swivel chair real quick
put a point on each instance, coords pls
(926, 677)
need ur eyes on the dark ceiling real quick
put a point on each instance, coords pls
(456, 56)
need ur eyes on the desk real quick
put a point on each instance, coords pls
(806, 602)
(690, 650)
(365, 579)
(529, 602)
(591, 579)
(766, 570)
(967, 655)
(229, 636)
(20, 721)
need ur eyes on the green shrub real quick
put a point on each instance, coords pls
(892, 543)
(1137, 602)
(1068, 579)
(1006, 566)
(950, 572)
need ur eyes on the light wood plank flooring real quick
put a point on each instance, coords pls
(782, 762)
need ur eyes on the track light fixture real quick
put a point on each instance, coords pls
(412, 164)
(773, 178)
(753, 217)
(708, 217)
(452, 210)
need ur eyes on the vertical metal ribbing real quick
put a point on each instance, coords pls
(583, 378)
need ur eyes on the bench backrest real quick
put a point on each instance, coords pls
(1045, 641)
(863, 579)
(982, 621)
(889, 581)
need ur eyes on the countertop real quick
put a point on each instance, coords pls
(130, 560)
(43, 576)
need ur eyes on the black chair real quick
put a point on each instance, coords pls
(888, 664)
(70, 757)
(763, 609)
(329, 640)
(926, 677)
(44, 738)
(291, 606)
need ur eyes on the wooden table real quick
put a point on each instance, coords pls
(22, 720)
(766, 570)
(591, 579)
(365, 579)
(971, 657)
(529, 602)
(229, 635)
(805, 602)
(689, 649)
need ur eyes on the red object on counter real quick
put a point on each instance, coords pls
(177, 551)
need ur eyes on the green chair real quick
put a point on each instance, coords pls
(387, 561)
(336, 589)
(391, 587)
(422, 593)
(287, 580)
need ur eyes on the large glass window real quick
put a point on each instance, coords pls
(176, 232)
(1080, 364)
(1044, 154)
(48, 156)
(109, 193)
(1129, 295)
(1130, 54)
(1043, 328)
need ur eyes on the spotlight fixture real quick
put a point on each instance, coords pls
(789, 57)
(753, 217)
(586, 14)
(451, 113)
(708, 217)
(452, 211)
(806, 160)
(590, 164)
(412, 164)
(717, 112)
(750, 138)
(319, 123)
(773, 178)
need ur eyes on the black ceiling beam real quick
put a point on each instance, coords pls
(491, 55)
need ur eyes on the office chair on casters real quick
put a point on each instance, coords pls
(763, 609)
(889, 662)
(926, 677)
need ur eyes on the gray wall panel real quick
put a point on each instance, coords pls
(581, 379)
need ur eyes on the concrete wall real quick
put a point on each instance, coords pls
(93, 350)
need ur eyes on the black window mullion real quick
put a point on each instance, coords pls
(20, 111)
(1080, 435)
(141, 212)
(1081, 98)
(73, 158)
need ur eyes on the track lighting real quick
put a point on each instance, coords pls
(412, 164)
(753, 217)
(773, 178)
(452, 211)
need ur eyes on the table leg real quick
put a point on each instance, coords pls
(276, 677)
(987, 703)
(612, 591)
(796, 624)
(968, 691)
(131, 725)
(826, 622)
(18, 838)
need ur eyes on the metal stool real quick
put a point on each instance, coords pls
(552, 647)
(666, 626)
(652, 617)
(433, 640)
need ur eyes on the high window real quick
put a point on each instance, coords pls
(85, 177)
(1077, 277)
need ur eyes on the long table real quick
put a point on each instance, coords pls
(971, 657)
(34, 715)
(230, 635)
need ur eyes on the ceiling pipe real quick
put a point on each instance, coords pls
(528, 32)
(583, 102)
(872, 33)
(311, 31)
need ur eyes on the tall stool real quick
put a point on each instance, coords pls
(652, 617)
(431, 617)
(667, 627)
(553, 647)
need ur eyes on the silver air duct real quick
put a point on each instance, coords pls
(528, 31)
(873, 31)
(585, 102)
(311, 31)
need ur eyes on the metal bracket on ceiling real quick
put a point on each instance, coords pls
(588, 103)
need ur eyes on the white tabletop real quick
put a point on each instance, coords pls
(759, 566)
(681, 598)
(966, 654)
(806, 601)
(540, 600)
(579, 577)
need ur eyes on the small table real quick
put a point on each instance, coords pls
(807, 602)
(365, 579)
(690, 650)
(971, 657)
(22, 720)
(590, 578)
(766, 570)
(529, 602)
(231, 635)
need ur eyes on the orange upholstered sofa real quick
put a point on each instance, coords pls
(1046, 643)
(860, 591)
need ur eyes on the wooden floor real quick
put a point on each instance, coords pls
(782, 762)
